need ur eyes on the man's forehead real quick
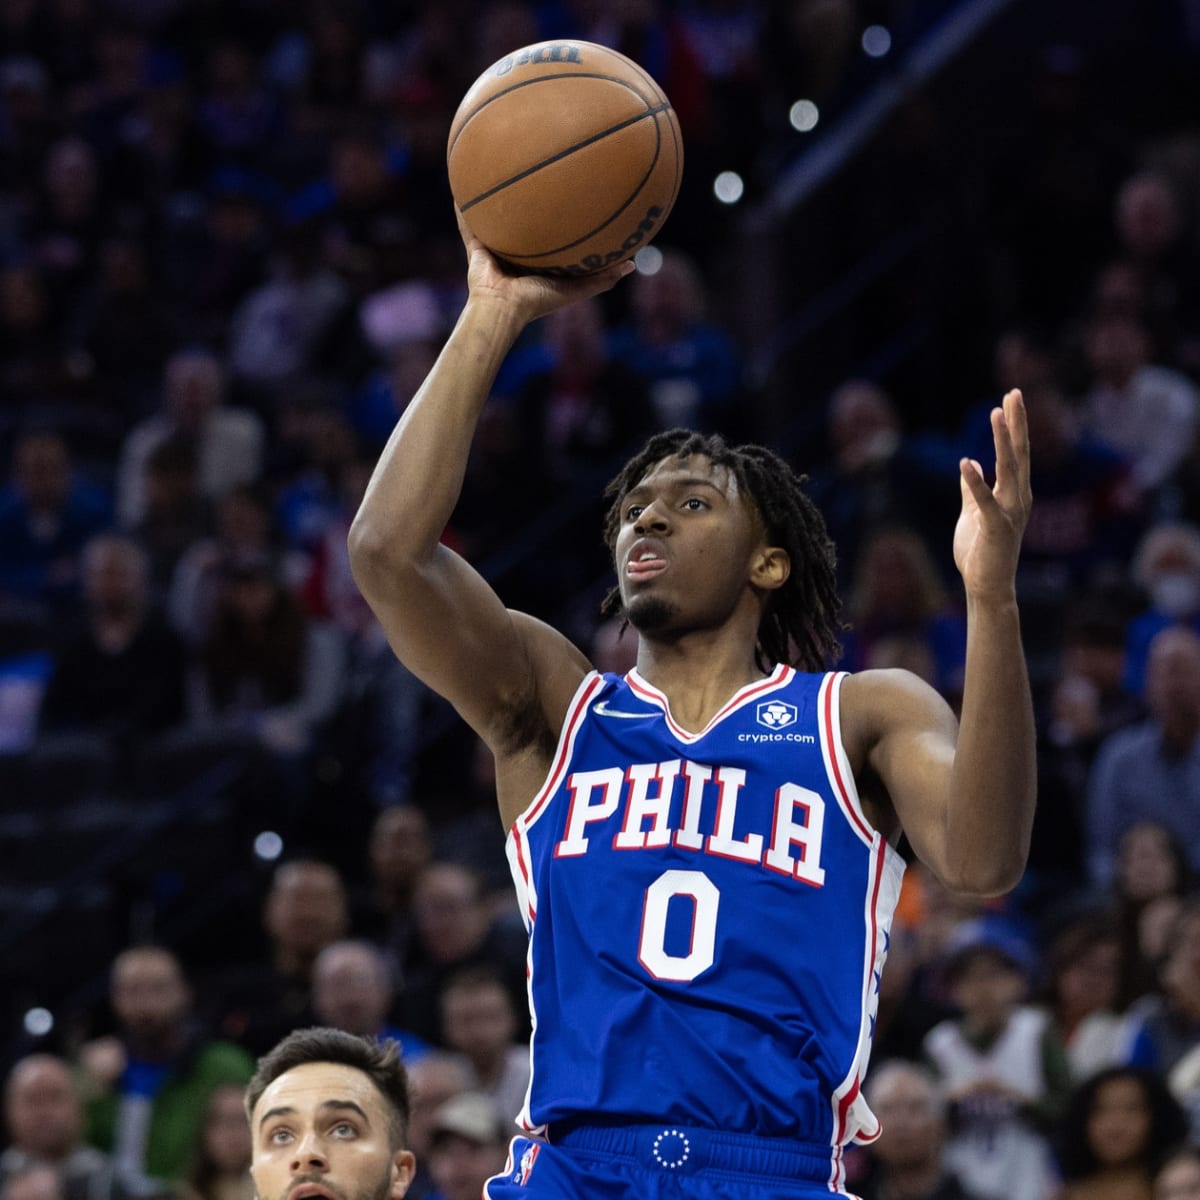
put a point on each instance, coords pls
(305, 1088)
(693, 466)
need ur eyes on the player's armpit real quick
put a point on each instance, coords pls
(502, 671)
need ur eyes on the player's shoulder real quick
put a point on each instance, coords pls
(882, 700)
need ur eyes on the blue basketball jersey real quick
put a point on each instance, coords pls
(708, 914)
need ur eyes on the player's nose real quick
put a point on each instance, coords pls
(309, 1154)
(652, 519)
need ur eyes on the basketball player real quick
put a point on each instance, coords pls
(328, 1114)
(704, 847)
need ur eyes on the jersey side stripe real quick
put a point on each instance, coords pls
(591, 684)
(517, 851)
(836, 764)
(846, 1094)
(778, 678)
(517, 842)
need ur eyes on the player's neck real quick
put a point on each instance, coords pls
(697, 672)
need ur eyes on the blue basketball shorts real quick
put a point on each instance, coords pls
(656, 1162)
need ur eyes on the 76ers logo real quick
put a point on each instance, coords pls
(776, 714)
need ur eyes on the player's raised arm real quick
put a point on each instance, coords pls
(442, 619)
(965, 793)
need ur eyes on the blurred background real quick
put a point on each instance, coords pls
(227, 259)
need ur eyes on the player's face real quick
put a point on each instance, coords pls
(687, 538)
(321, 1132)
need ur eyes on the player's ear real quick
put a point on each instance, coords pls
(770, 568)
(404, 1165)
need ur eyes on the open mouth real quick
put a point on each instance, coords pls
(646, 559)
(312, 1191)
(644, 568)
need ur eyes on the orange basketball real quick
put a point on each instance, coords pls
(564, 157)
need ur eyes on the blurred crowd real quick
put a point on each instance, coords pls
(226, 264)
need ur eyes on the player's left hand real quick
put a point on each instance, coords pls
(987, 538)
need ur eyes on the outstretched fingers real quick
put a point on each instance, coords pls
(1010, 431)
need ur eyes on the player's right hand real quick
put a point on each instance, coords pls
(530, 295)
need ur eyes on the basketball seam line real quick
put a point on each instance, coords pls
(524, 83)
(526, 259)
(651, 82)
(650, 112)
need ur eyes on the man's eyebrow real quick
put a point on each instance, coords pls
(284, 1110)
(344, 1105)
(674, 485)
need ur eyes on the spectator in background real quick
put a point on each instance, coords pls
(353, 991)
(1112, 1138)
(455, 929)
(1179, 1176)
(468, 1145)
(692, 368)
(433, 1080)
(34, 1183)
(211, 273)
(220, 1161)
(1166, 566)
(33, 361)
(1165, 1027)
(265, 667)
(399, 848)
(149, 1084)
(1086, 703)
(1151, 771)
(124, 328)
(874, 478)
(908, 1158)
(317, 449)
(47, 514)
(1082, 980)
(1148, 887)
(404, 326)
(43, 1116)
(306, 909)
(277, 329)
(480, 1023)
(1146, 411)
(68, 219)
(228, 441)
(1152, 232)
(998, 1066)
(584, 408)
(176, 515)
(122, 676)
(897, 596)
(244, 532)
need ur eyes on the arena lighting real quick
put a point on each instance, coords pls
(876, 41)
(38, 1022)
(803, 116)
(728, 187)
(648, 260)
(268, 846)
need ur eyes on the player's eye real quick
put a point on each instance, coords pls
(344, 1129)
(279, 1137)
(695, 504)
(634, 511)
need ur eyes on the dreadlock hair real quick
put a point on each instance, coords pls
(800, 623)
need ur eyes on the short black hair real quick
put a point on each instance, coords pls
(801, 622)
(377, 1058)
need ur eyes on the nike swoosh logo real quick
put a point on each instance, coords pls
(601, 709)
